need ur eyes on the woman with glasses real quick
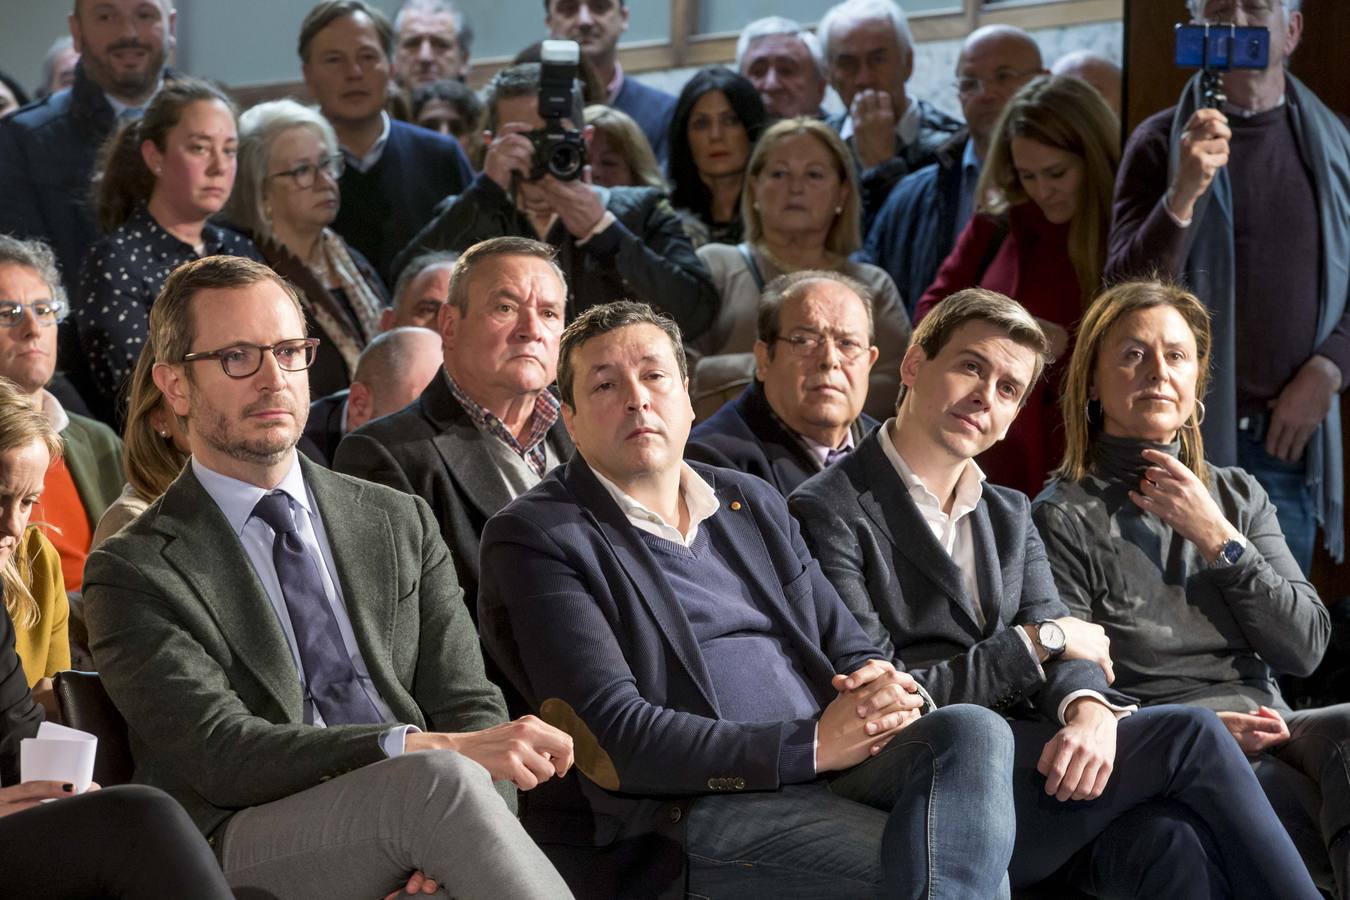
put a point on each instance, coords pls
(160, 180)
(1038, 235)
(801, 208)
(286, 199)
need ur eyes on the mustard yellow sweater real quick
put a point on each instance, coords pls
(44, 649)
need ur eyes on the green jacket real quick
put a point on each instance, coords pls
(193, 655)
(94, 456)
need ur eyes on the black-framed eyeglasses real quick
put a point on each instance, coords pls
(809, 343)
(47, 312)
(304, 174)
(244, 360)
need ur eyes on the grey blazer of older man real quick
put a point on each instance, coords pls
(431, 448)
(193, 654)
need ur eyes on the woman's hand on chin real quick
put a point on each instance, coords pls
(1175, 494)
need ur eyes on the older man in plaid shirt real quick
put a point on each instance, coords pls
(487, 428)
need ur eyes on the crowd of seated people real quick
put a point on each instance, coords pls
(442, 524)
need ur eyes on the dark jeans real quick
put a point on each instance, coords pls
(1212, 834)
(1284, 482)
(931, 816)
(120, 842)
(1308, 781)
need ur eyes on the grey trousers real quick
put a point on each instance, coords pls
(362, 834)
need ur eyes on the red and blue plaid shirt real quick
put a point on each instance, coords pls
(532, 451)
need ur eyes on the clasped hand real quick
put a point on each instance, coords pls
(1078, 760)
(874, 703)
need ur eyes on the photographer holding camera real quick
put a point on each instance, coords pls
(1248, 203)
(613, 243)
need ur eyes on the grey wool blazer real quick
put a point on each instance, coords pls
(193, 654)
(873, 544)
(431, 448)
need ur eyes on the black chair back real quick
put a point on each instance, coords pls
(85, 705)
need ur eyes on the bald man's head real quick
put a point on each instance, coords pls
(995, 61)
(392, 372)
(1096, 70)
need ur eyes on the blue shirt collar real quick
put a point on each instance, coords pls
(236, 498)
(970, 162)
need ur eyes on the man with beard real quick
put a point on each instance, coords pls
(313, 633)
(48, 149)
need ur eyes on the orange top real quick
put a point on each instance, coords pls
(62, 508)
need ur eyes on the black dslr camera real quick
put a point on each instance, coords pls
(558, 150)
(1220, 48)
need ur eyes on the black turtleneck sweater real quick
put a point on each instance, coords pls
(1181, 630)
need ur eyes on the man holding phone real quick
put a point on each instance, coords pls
(1245, 203)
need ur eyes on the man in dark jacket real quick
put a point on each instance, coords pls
(870, 53)
(597, 26)
(804, 409)
(395, 172)
(736, 732)
(486, 428)
(612, 243)
(47, 149)
(920, 220)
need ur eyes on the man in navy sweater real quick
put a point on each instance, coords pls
(736, 729)
(395, 173)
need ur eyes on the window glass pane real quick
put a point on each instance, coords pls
(718, 16)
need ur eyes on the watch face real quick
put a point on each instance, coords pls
(1051, 636)
(1231, 552)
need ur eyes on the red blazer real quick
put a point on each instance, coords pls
(1033, 267)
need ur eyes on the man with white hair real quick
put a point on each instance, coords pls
(870, 54)
(919, 222)
(1248, 204)
(785, 63)
(432, 43)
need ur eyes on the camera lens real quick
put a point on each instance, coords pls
(566, 161)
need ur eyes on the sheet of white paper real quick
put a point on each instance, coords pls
(59, 754)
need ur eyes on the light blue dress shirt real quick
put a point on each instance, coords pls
(970, 178)
(236, 500)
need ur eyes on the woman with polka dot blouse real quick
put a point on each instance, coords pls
(161, 179)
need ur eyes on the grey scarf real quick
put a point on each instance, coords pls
(1325, 147)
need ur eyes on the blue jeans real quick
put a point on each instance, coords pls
(931, 816)
(1285, 483)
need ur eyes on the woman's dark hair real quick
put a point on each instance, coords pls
(459, 95)
(20, 95)
(122, 180)
(687, 189)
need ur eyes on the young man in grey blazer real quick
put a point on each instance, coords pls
(282, 639)
(946, 573)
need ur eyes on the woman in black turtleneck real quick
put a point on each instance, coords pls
(1184, 563)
